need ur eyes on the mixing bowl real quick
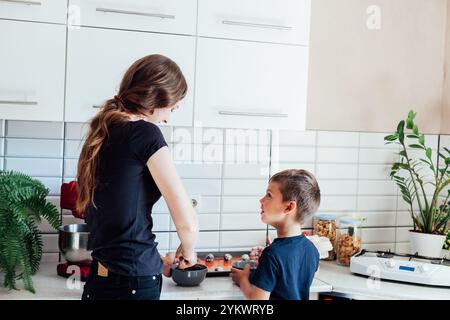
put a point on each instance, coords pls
(189, 277)
(72, 241)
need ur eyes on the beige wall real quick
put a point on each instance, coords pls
(445, 119)
(368, 80)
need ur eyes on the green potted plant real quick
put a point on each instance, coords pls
(430, 214)
(22, 205)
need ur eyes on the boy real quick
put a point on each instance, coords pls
(286, 268)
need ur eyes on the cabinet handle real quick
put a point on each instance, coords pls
(23, 103)
(96, 107)
(256, 25)
(36, 3)
(253, 114)
(136, 13)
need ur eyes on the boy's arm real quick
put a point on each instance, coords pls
(253, 293)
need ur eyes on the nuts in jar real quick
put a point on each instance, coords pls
(348, 240)
(325, 226)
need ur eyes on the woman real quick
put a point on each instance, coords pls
(124, 168)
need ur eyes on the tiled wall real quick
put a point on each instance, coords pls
(227, 171)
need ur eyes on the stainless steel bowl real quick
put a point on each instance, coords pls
(73, 240)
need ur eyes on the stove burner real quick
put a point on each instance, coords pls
(386, 255)
(389, 255)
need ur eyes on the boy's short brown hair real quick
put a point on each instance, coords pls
(300, 186)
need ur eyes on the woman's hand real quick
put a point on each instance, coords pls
(184, 258)
(168, 261)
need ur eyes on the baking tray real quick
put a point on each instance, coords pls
(219, 262)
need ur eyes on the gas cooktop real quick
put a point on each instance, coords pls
(402, 267)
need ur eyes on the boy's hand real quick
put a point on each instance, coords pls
(239, 275)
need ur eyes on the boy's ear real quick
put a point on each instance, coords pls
(291, 207)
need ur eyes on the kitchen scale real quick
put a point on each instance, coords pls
(402, 267)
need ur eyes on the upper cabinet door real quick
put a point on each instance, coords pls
(98, 58)
(373, 61)
(170, 16)
(250, 85)
(32, 58)
(260, 20)
(34, 10)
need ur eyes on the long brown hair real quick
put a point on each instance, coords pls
(151, 82)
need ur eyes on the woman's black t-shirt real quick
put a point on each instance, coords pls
(120, 227)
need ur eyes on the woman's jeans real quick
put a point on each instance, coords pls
(119, 287)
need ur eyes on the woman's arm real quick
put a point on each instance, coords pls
(183, 214)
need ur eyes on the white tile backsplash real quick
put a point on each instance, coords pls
(240, 204)
(337, 155)
(161, 222)
(34, 129)
(206, 222)
(375, 140)
(402, 234)
(50, 243)
(377, 187)
(294, 138)
(36, 166)
(376, 235)
(54, 184)
(246, 171)
(70, 168)
(338, 203)
(227, 171)
(72, 148)
(32, 148)
(293, 154)
(163, 240)
(336, 171)
(205, 187)
(206, 240)
(76, 130)
(242, 239)
(337, 139)
(404, 218)
(337, 187)
(374, 171)
(241, 221)
(402, 247)
(377, 203)
(378, 219)
(277, 167)
(211, 171)
(377, 156)
(239, 187)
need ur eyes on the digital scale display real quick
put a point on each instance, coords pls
(406, 268)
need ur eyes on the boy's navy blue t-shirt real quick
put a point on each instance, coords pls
(286, 268)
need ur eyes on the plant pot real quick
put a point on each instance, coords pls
(425, 244)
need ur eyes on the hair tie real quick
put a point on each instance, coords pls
(118, 98)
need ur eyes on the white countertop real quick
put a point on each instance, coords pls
(360, 287)
(50, 286)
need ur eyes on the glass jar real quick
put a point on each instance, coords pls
(325, 226)
(348, 241)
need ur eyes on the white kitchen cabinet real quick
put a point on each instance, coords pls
(170, 16)
(32, 58)
(372, 61)
(54, 11)
(250, 85)
(259, 20)
(98, 58)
